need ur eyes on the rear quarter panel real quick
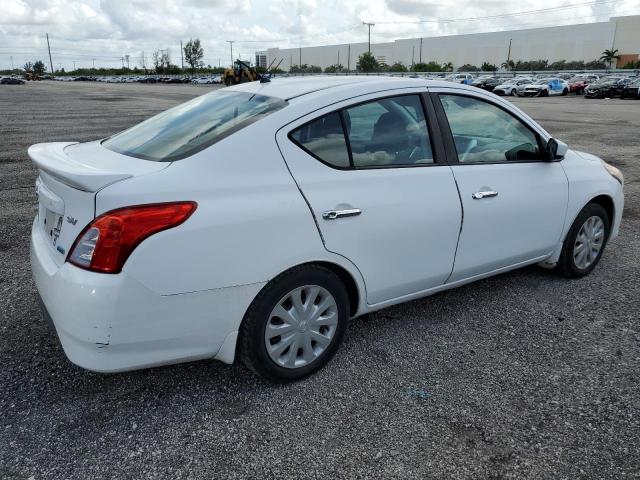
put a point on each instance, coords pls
(251, 223)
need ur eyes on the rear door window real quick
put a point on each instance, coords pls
(324, 139)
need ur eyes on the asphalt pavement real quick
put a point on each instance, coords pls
(524, 375)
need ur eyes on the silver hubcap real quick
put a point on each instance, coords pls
(588, 242)
(301, 326)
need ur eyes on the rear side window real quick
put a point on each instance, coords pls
(389, 132)
(324, 139)
(193, 126)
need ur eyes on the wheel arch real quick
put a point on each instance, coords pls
(606, 202)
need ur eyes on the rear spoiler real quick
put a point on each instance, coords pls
(50, 158)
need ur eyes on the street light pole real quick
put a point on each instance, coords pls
(369, 24)
(231, 42)
(509, 53)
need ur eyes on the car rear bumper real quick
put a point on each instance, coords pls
(112, 323)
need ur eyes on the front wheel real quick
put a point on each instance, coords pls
(565, 92)
(585, 242)
(295, 324)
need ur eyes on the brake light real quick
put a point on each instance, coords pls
(106, 243)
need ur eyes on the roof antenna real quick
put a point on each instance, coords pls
(266, 78)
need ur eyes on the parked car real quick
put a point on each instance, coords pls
(606, 87)
(632, 89)
(174, 241)
(488, 83)
(578, 83)
(510, 87)
(545, 87)
(464, 78)
(11, 81)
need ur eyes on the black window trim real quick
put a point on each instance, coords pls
(450, 146)
(437, 147)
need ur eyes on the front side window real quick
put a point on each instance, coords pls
(388, 132)
(485, 133)
(192, 126)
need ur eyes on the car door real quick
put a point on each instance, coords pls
(514, 201)
(373, 175)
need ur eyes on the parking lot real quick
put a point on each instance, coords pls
(524, 375)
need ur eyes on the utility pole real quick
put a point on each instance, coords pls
(94, 63)
(420, 57)
(11, 62)
(49, 48)
(349, 58)
(126, 57)
(181, 56)
(300, 56)
(369, 24)
(413, 55)
(509, 53)
(338, 56)
(74, 65)
(230, 42)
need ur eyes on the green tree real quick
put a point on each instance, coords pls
(488, 67)
(39, 68)
(632, 65)
(447, 67)
(426, 67)
(334, 68)
(467, 67)
(398, 67)
(193, 53)
(508, 65)
(367, 63)
(608, 56)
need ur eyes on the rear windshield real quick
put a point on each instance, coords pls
(192, 126)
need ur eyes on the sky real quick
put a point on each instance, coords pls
(104, 32)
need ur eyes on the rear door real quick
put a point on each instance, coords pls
(372, 172)
(514, 201)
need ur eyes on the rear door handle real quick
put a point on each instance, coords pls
(484, 194)
(333, 214)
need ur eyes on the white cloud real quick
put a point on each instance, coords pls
(106, 30)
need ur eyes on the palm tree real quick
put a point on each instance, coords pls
(447, 67)
(510, 65)
(609, 56)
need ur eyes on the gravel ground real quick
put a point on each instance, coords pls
(525, 375)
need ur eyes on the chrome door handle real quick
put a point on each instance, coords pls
(484, 194)
(333, 214)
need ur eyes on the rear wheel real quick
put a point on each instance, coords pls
(565, 92)
(295, 324)
(585, 242)
(228, 81)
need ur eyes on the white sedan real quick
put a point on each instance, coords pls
(545, 87)
(254, 222)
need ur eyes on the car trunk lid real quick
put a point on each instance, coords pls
(70, 174)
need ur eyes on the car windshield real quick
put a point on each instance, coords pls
(192, 126)
(542, 81)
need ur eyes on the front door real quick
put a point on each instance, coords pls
(514, 201)
(377, 191)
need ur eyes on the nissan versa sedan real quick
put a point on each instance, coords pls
(254, 222)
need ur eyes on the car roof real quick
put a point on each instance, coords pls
(289, 88)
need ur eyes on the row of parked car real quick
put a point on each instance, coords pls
(210, 79)
(589, 85)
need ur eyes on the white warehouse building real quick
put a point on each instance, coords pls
(584, 42)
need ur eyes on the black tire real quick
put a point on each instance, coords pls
(566, 263)
(229, 81)
(565, 92)
(251, 342)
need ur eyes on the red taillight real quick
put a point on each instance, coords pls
(106, 243)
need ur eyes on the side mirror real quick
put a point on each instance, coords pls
(555, 150)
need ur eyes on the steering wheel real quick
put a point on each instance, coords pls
(473, 143)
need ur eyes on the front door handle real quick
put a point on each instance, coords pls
(333, 214)
(484, 194)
